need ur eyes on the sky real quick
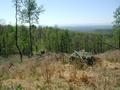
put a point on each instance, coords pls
(67, 12)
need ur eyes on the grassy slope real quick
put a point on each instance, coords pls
(52, 72)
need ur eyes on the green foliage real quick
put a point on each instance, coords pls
(52, 39)
(30, 11)
(116, 31)
(19, 87)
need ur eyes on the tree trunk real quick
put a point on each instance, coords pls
(16, 34)
(30, 40)
(119, 39)
(30, 34)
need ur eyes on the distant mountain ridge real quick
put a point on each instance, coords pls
(88, 28)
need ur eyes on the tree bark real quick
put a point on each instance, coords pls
(119, 38)
(16, 33)
(30, 34)
(30, 40)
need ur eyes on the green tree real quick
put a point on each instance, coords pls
(117, 25)
(30, 14)
(65, 42)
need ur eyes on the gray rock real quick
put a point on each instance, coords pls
(83, 57)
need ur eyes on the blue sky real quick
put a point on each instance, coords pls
(67, 12)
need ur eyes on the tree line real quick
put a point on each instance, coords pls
(54, 39)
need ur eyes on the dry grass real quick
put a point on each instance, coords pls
(112, 56)
(50, 73)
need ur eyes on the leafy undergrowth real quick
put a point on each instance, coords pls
(53, 72)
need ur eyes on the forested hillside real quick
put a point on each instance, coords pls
(53, 39)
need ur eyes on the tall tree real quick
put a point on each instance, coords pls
(30, 14)
(17, 10)
(117, 25)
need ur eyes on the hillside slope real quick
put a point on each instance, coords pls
(53, 72)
